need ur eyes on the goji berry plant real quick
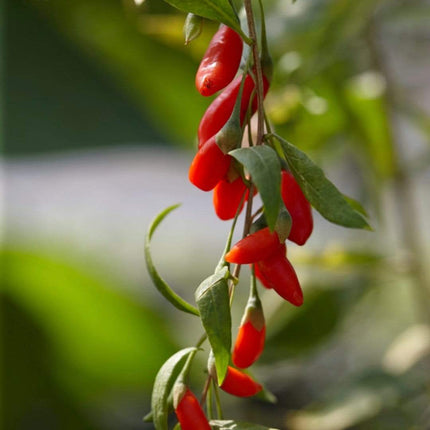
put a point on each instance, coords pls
(241, 166)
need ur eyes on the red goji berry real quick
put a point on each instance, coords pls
(249, 344)
(220, 62)
(228, 196)
(254, 247)
(240, 384)
(260, 276)
(189, 412)
(220, 109)
(278, 273)
(298, 207)
(209, 166)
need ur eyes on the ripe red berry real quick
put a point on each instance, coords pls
(260, 276)
(277, 272)
(220, 109)
(254, 247)
(298, 207)
(228, 196)
(220, 62)
(189, 412)
(249, 344)
(240, 384)
(209, 166)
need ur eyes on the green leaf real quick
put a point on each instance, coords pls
(264, 167)
(319, 191)
(217, 10)
(237, 425)
(163, 385)
(355, 205)
(159, 282)
(266, 396)
(214, 305)
(192, 27)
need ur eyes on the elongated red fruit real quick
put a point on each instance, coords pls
(228, 196)
(261, 277)
(280, 275)
(254, 247)
(209, 166)
(240, 384)
(298, 207)
(220, 109)
(220, 62)
(249, 344)
(190, 414)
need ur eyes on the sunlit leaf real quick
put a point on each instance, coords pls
(158, 281)
(214, 305)
(163, 385)
(319, 191)
(192, 27)
(218, 10)
(263, 165)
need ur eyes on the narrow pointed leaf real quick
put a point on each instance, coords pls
(214, 305)
(263, 165)
(320, 192)
(237, 425)
(192, 27)
(163, 385)
(355, 205)
(266, 396)
(158, 281)
(217, 10)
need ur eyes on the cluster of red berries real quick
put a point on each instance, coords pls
(267, 253)
(214, 169)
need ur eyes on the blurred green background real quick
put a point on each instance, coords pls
(99, 121)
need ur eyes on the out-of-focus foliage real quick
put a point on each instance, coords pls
(94, 69)
(68, 330)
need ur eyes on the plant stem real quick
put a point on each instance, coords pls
(203, 337)
(205, 390)
(259, 72)
(218, 402)
(209, 403)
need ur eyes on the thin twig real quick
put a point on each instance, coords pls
(205, 390)
(259, 72)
